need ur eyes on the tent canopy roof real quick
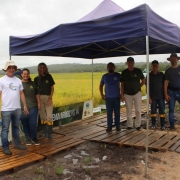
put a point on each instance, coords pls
(105, 8)
(115, 35)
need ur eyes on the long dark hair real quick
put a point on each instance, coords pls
(46, 69)
(25, 69)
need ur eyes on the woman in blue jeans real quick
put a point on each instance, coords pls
(29, 121)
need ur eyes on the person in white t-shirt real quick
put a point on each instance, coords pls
(11, 91)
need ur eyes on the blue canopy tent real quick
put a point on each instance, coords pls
(139, 31)
(116, 35)
(105, 8)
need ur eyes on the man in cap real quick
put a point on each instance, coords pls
(132, 81)
(11, 90)
(111, 80)
(172, 86)
(156, 94)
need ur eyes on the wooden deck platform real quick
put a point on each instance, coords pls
(46, 149)
(18, 158)
(90, 129)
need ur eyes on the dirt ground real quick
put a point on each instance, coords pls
(100, 161)
(97, 161)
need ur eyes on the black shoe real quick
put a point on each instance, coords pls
(50, 131)
(7, 151)
(163, 128)
(118, 128)
(20, 146)
(28, 142)
(138, 128)
(35, 141)
(129, 128)
(172, 128)
(108, 129)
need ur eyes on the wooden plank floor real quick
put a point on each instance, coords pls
(49, 147)
(92, 129)
(46, 149)
(19, 158)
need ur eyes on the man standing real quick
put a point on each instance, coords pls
(172, 86)
(156, 93)
(131, 91)
(111, 80)
(11, 90)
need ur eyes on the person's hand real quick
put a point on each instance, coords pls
(25, 111)
(150, 101)
(39, 106)
(122, 98)
(167, 98)
(49, 102)
(103, 96)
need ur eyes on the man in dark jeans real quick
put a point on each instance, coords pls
(111, 80)
(172, 86)
(156, 94)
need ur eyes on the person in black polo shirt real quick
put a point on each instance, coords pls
(29, 121)
(45, 83)
(132, 81)
(156, 93)
(172, 86)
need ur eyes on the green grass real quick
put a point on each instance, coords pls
(39, 171)
(87, 159)
(59, 169)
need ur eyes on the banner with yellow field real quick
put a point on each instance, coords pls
(66, 114)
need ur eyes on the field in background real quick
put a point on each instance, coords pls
(71, 88)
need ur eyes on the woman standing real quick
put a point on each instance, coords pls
(29, 121)
(45, 83)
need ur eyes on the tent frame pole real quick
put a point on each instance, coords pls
(92, 80)
(147, 104)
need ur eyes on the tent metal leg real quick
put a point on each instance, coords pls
(147, 103)
(92, 80)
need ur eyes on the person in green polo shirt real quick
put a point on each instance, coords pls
(45, 83)
(29, 121)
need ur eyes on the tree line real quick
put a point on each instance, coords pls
(97, 67)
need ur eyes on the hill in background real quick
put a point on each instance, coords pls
(98, 67)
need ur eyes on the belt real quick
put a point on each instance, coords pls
(174, 91)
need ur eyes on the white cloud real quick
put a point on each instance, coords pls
(27, 17)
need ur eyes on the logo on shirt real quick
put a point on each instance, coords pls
(179, 72)
(47, 81)
(115, 78)
(12, 87)
(135, 75)
(31, 87)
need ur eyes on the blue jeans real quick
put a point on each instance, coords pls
(29, 123)
(7, 117)
(161, 106)
(174, 96)
(113, 104)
